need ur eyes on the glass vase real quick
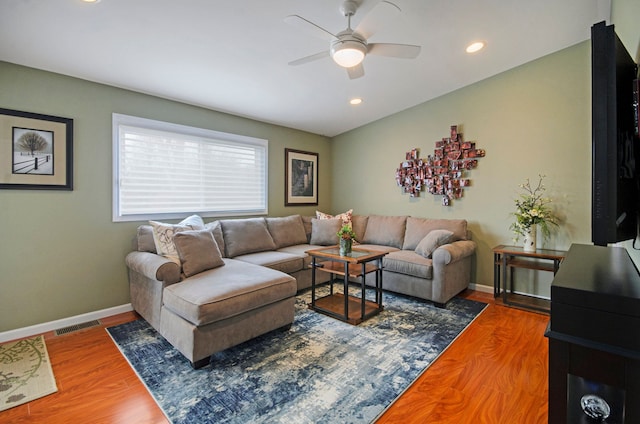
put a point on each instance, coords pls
(345, 246)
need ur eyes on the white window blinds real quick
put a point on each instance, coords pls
(166, 170)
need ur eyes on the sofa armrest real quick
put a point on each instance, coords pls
(453, 252)
(451, 270)
(154, 266)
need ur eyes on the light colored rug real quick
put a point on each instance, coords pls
(320, 371)
(25, 372)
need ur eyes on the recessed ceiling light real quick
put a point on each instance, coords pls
(355, 101)
(91, 1)
(475, 47)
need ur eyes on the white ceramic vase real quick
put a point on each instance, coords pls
(529, 244)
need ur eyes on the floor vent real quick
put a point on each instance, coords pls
(72, 328)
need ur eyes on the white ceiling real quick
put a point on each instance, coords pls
(232, 55)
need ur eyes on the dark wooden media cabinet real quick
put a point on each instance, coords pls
(594, 338)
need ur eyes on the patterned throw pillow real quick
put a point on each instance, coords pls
(163, 235)
(345, 216)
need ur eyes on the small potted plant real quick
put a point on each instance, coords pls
(346, 236)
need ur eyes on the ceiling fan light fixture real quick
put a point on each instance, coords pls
(348, 53)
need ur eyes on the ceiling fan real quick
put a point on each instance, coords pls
(349, 47)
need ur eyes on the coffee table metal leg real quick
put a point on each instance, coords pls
(379, 284)
(364, 296)
(346, 290)
(313, 281)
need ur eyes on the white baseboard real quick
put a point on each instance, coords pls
(481, 288)
(61, 323)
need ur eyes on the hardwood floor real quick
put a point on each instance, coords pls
(495, 372)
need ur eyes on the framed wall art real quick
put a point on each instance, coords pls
(36, 151)
(300, 178)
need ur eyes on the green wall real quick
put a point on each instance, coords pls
(625, 14)
(531, 120)
(61, 255)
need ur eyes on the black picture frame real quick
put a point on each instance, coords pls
(36, 151)
(300, 178)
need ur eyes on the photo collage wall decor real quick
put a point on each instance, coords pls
(445, 172)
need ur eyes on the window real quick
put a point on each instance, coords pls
(164, 170)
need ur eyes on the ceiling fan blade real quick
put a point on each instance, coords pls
(309, 27)
(310, 58)
(402, 51)
(356, 71)
(376, 18)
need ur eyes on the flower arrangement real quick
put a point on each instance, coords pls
(347, 237)
(346, 233)
(532, 208)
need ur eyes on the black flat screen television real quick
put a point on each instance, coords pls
(615, 192)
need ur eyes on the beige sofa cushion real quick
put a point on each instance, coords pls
(287, 231)
(242, 236)
(281, 261)
(324, 232)
(198, 251)
(216, 230)
(417, 228)
(377, 247)
(359, 225)
(409, 263)
(300, 251)
(306, 221)
(144, 239)
(385, 230)
(227, 291)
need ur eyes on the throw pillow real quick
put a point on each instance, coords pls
(345, 216)
(242, 236)
(287, 231)
(198, 251)
(193, 221)
(324, 231)
(163, 235)
(418, 228)
(432, 241)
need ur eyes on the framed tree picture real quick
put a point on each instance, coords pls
(300, 178)
(39, 151)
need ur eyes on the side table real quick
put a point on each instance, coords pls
(511, 257)
(342, 306)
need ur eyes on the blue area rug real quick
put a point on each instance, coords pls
(320, 371)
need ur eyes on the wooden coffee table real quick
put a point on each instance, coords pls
(358, 263)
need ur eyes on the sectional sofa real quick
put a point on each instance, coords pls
(207, 287)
